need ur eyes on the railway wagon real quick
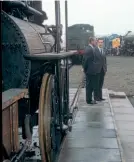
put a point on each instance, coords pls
(35, 109)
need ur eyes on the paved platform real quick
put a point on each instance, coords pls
(123, 113)
(93, 137)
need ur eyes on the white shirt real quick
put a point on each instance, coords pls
(101, 50)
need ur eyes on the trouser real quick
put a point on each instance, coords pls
(101, 82)
(84, 81)
(92, 83)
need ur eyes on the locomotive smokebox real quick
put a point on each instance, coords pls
(15, 69)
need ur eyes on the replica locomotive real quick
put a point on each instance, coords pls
(33, 71)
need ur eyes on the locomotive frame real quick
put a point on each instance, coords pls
(44, 103)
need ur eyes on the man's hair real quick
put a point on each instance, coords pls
(100, 39)
(91, 39)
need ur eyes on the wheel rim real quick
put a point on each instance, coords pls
(45, 118)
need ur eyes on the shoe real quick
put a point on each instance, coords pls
(98, 99)
(92, 102)
(102, 99)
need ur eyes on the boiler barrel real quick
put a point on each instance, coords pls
(20, 38)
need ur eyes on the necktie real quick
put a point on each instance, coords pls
(101, 51)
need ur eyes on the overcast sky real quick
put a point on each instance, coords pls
(107, 16)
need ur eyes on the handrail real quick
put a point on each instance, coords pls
(49, 56)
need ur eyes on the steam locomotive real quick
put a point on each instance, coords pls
(127, 48)
(31, 63)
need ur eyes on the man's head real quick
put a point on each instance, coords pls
(95, 42)
(100, 43)
(92, 41)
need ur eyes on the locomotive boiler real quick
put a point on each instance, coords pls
(33, 72)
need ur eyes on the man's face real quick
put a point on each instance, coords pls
(100, 43)
(93, 42)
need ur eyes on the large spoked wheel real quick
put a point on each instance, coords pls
(45, 118)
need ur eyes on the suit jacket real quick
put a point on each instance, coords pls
(104, 59)
(90, 61)
(99, 60)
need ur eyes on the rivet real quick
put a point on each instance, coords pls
(18, 33)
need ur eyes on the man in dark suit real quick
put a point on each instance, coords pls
(103, 67)
(90, 67)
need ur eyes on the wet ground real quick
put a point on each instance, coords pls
(102, 132)
(120, 75)
(98, 143)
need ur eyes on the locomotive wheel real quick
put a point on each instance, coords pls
(45, 118)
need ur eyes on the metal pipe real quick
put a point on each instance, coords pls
(57, 19)
(66, 24)
(17, 157)
(59, 94)
(24, 6)
(67, 67)
(58, 69)
(34, 11)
